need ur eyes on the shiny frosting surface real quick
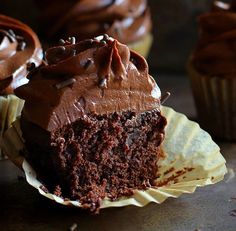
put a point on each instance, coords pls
(125, 20)
(96, 76)
(215, 53)
(19, 46)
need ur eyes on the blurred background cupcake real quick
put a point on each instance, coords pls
(129, 21)
(212, 70)
(19, 48)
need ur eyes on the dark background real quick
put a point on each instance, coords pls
(175, 33)
(174, 27)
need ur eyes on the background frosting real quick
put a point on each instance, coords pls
(125, 20)
(19, 46)
(216, 49)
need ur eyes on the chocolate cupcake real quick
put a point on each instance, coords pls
(92, 123)
(19, 47)
(212, 70)
(128, 21)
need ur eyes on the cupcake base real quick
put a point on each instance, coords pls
(215, 99)
(143, 46)
(10, 109)
(191, 160)
(97, 156)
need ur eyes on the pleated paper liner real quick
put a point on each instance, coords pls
(143, 46)
(215, 99)
(192, 160)
(10, 109)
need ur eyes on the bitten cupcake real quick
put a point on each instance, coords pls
(128, 21)
(212, 70)
(19, 46)
(91, 122)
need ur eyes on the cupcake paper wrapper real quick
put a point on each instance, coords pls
(215, 99)
(143, 46)
(192, 160)
(10, 108)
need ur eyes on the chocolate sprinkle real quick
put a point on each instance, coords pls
(72, 40)
(87, 64)
(65, 83)
(30, 66)
(62, 42)
(103, 83)
(10, 36)
(11, 32)
(21, 46)
(105, 37)
(18, 37)
(165, 97)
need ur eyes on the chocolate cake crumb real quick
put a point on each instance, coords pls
(101, 156)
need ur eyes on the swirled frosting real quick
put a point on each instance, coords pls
(125, 20)
(96, 76)
(215, 53)
(19, 46)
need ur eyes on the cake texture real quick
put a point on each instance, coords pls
(19, 46)
(92, 123)
(128, 21)
(212, 70)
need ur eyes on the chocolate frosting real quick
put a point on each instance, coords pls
(215, 53)
(125, 20)
(96, 76)
(18, 46)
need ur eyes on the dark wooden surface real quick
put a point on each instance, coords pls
(211, 208)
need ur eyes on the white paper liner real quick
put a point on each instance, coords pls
(10, 108)
(186, 145)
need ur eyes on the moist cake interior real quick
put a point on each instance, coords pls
(98, 156)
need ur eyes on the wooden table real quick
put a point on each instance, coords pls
(212, 208)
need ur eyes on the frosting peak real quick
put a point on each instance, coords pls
(18, 46)
(102, 55)
(96, 76)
